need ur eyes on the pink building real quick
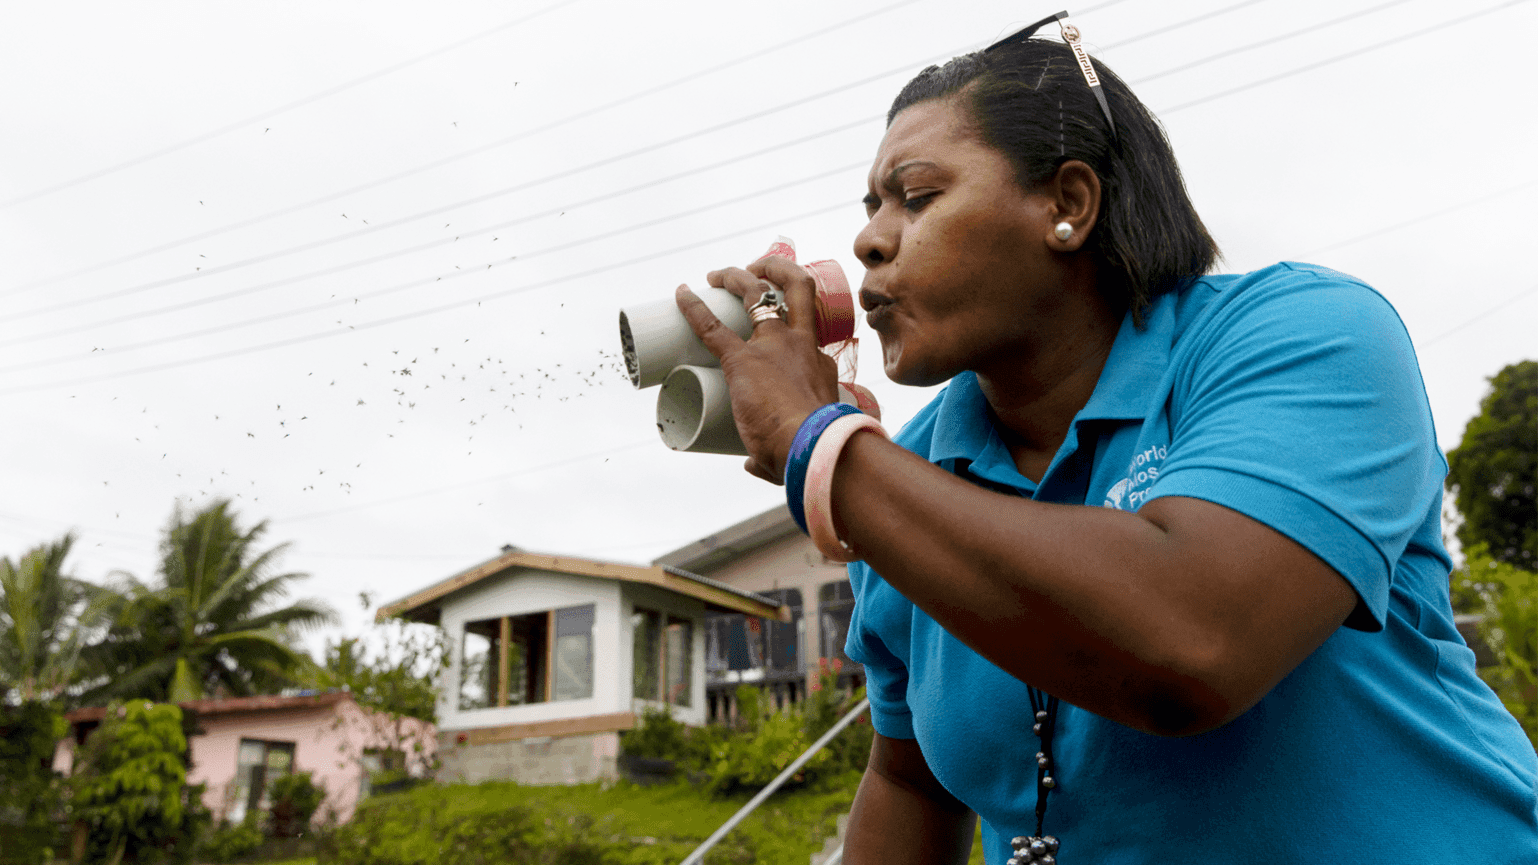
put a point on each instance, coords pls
(242, 743)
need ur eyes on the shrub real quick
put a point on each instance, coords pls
(659, 736)
(233, 840)
(295, 799)
(130, 788)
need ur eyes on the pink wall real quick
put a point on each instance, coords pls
(329, 740)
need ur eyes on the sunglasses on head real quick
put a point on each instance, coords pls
(1071, 36)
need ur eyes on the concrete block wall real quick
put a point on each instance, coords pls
(574, 759)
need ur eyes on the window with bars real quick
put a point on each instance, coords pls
(532, 658)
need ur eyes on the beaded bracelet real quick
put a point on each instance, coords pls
(801, 453)
(819, 482)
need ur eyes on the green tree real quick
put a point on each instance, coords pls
(46, 618)
(212, 624)
(399, 677)
(130, 783)
(1493, 472)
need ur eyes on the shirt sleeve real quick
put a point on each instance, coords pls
(1301, 406)
(886, 676)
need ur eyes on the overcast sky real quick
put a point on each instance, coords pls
(227, 229)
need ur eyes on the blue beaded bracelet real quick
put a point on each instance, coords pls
(801, 454)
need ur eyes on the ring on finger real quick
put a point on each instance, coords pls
(771, 304)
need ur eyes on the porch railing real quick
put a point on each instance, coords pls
(699, 852)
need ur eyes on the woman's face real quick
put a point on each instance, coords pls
(958, 273)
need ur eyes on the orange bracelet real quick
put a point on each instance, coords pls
(818, 496)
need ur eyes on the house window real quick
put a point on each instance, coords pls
(257, 763)
(533, 658)
(384, 770)
(663, 654)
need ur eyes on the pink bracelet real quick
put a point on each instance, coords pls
(818, 500)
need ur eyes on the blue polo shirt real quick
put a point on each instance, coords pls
(1291, 395)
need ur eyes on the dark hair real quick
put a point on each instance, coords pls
(1029, 101)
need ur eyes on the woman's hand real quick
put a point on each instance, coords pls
(777, 377)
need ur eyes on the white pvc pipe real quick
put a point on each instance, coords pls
(694, 412)
(656, 338)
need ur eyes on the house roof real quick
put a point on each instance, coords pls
(718, 548)
(231, 705)
(424, 606)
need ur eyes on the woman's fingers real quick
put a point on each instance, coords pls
(717, 337)
(799, 287)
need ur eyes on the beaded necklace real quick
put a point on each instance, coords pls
(1040, 849)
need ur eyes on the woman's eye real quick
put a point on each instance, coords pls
(916, 202)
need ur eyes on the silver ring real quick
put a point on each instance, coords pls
(771, 304)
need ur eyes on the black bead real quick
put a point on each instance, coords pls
(1041, 715)
(1038, 848)
(1020, 842)
(1048, 781)
(1051, 843)
(1046, 859)
(1036, 728)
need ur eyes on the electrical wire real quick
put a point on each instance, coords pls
(446, 241)
(382, 322)
(419, 314)
(1339, 57)
(464, 154)
(1488, 312)
(478, 199)
(273, 112)
(159, 341)
(1282, 37)
(559, 175)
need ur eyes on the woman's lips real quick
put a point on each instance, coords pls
(877, 306)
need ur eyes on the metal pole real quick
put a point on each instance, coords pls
(699, 852)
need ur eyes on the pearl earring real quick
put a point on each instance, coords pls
(1062, 231)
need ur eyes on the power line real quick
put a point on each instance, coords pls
(1488, 312)
(478, 199)
(417, 315)
(273, 112)
(557, 280)
(1339, 57)
(570, 172)
(1283, 37)
(1419, 219)
(464, 154)
(328, 304)
(476, 232)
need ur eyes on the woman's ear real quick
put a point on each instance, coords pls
(1075, 194)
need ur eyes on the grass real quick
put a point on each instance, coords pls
(648, 824)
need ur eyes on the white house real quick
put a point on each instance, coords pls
(554, 655)
(766, 554)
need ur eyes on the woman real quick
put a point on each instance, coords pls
(1158, 577)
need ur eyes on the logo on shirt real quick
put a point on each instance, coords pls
(1129, 493)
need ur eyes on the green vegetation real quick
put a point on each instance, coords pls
(1493, 472)
(1507, 598)
(212, 624)
(615, 825)
(130, 796)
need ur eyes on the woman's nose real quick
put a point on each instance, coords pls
(875, 243)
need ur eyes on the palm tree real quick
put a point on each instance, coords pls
(213, 624)
(46, 617)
